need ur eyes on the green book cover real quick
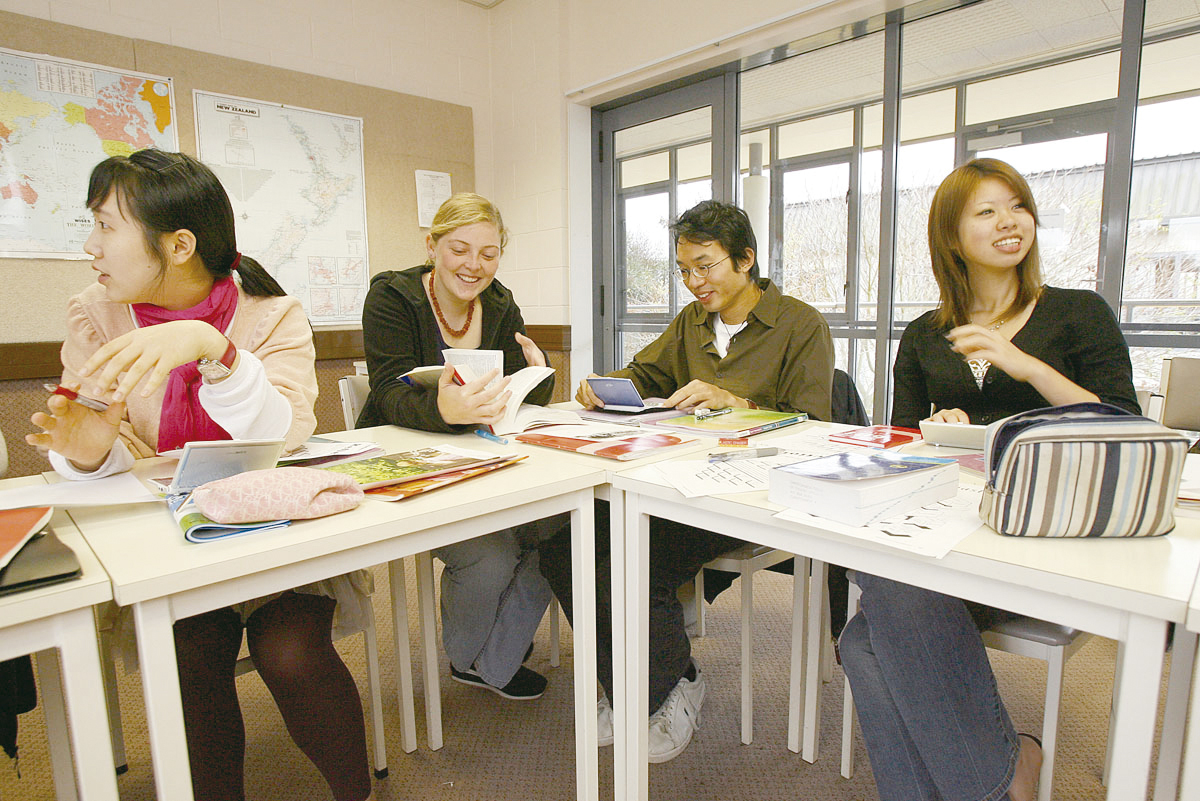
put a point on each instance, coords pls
(397, 468)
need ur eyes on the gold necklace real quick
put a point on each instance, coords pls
(437, 309)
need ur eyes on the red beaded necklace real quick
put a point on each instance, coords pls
(437, 309)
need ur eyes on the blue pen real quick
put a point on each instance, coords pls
(483, 432)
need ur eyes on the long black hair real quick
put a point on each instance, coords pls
(165, 192)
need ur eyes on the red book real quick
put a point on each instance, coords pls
(877, 436)
(16, 528)
(601, 439)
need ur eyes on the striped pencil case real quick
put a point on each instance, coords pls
(1082, 470)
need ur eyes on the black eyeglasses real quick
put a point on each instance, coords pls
(700, 270)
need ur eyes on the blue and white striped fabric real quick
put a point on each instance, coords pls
(1083, 470)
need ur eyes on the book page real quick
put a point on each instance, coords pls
(478, 362)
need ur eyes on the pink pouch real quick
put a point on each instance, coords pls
(281, 493)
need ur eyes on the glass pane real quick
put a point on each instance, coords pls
(1147, 364)
(652, 169)
(818, 135)
(761, 137)
(1085, 80)
(694, 162)
(1162, 255)
(1169, 67)
(987, 38)
(691, 193)
(630, 342)
(927, 115)
(688, 127)
(814, 236)
(646, 255)
(1067, 179)
(920, 169)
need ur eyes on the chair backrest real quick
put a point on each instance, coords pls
(847, 404)
(354, 390)
(1180, 388)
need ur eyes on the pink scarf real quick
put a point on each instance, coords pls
(182, 418)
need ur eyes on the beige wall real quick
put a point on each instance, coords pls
(513, 65)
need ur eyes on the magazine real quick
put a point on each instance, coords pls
(602, 439)
(398, 468)
(734, 423)
(198, 528)
(398, 492)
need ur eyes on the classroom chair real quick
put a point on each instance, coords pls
(1179, 387)
(1025, 636)
(354, 390)
(848, 409)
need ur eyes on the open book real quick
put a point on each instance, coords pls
(518, 415)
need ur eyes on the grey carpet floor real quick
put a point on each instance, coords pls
(498, 750)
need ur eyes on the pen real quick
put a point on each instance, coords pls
(483, 432)
(704, 414)
(750, 453)
(70, 394)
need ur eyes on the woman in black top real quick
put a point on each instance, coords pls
(999, 343)
(1025, 345)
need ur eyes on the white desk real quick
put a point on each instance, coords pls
(164, 578)
(59, 617)
(1126, 590)
(1188, 732)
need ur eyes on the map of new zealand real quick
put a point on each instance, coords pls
(296, 181)
(58, 120)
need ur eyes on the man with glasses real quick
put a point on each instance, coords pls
(741, 343)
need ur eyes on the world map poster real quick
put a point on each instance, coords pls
(58, 120)
(295, 177)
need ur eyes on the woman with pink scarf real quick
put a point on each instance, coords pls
(186, 339)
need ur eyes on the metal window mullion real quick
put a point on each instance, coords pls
(672, 213)
(776, 232)
(854, 229)
(1118, 177)
(887, 214)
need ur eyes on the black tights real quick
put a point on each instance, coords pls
(290, 642)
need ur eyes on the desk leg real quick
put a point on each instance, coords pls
(812, 660)
(84, 691)
(1170, 750)
(620, 642)
(433, 687)
(164, 705)
(583, 590)
(631, 706)
(800, 581)
(408, 716)
(1136, 708)
(49, 676)
(1190, 781)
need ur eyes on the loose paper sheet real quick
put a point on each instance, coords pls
(110, 491)
(932, 530)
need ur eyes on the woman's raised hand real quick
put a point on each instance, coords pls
(473, 402)
(976, 342)
(152, 353)
(533, 354)
(80, 434)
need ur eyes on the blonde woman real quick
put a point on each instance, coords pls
(493, 595)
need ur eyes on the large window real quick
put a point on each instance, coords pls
(1035, 84)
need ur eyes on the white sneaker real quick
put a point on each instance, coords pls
(672, 726)
(604, 721)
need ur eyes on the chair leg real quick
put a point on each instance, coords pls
(1055, 663)
(826, 636)
(404, 677)
(747, 656)
(108, 672)
(554, 633)
(800, 569)
(699, 601)
(375, 696)
(848, 697)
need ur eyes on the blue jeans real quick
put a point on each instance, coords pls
(932, 718)
(493, 598)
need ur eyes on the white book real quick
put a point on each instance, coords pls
(862, 487)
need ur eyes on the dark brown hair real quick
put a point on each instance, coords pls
(944, 250)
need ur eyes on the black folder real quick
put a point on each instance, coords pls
(43, 560)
